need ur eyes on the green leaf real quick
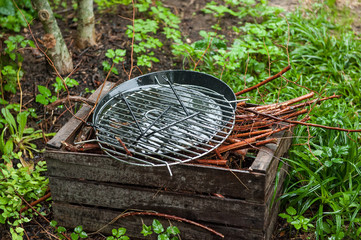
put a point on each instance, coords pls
(74, 236)
(296, 224)
(157, 226)
(114, 232)
(13, 57)
(2, 219)
(318, 152)
(78, 229)
(163, 236)
(285, 216)
(53, 223)
(337, 160)
(120, 52)
(9, 146)
(71, 82)
(53, 99)
(106, 66)
(19, 229)
(3, 101)
(44, 91)
(110, 53)
(173, 230)
(10, 87)
(115, 71)
(328, 163)
(41, 99)
(122, 231)
(61, 229)
(146, 230)
(4, 201)
(83, 234)
(22, 119)
(10, 120)
(59, 85)
(9, 70)
(291, 211)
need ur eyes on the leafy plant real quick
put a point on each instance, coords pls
(104, 4)
(45, 95)
(144, 31)
(87, 90)
(78, 233)
(11, 61)
(144, 41)
(116, 57)
(16, 182)
(118, 234)
(169, 234)
(59, 85)
(59, 229)
(249, 50)
(11, 17)
(295, 220)
(16, 139)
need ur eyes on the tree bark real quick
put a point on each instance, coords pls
(56, 48)
(86, 24)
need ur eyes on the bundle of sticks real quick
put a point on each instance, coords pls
(256, 126)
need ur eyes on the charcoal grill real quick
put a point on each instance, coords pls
(165, 118)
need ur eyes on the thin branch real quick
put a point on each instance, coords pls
(72, 99)
(205, 51)
(123, 145)
(43, 198)
(39, 213)
(265, 81)
(167, 216)
(301, 123)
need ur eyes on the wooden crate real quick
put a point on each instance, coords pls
(93, 189)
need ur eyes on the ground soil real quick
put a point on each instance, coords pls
(89, 72)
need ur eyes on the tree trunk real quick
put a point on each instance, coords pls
(86, 22)
(57, 50)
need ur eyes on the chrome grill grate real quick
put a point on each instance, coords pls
(163, 124)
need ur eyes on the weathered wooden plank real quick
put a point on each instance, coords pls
(279, 152)
(69, 129)
(263, 159)
(201, 179)
(268, 158)
(272, 205)
(272, 214)
(192, 206)
(94, 219)
(266, 153)
(272, 221)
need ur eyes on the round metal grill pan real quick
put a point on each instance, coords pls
(161, 119)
